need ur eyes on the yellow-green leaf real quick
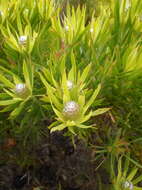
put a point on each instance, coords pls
(5, 81)
(100, 111)
(8, 102)
(92, 99)
(58, 128)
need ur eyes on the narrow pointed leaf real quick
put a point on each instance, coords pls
(58, 128)
(100, 111)
(9, 102)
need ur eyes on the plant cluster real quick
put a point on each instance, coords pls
(79, 74)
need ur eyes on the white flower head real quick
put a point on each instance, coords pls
(91, 30)
(20, 88)
(70, 84)
(1, 13)
(66, 28)
(22, 40)
(71, 109)
(127, 185)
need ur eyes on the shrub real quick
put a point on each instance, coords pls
(68, 69)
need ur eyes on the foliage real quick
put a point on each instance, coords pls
(60, 94)
(126, 179)
(72, 69)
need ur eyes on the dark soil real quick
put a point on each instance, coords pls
(54, 164)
